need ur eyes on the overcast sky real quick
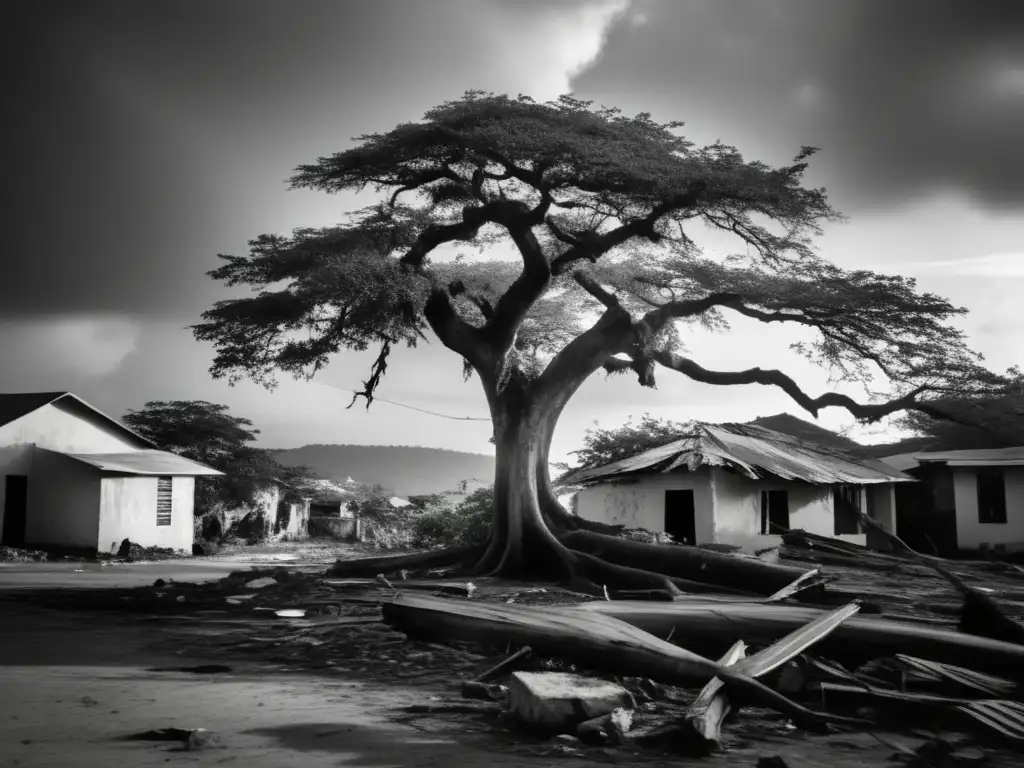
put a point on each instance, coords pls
(144, 138)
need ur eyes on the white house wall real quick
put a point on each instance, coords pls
(727, 506)
(58, 428)
(970, 533)
(641, 504)
(63, 502)
(738, 510)
(128, 511)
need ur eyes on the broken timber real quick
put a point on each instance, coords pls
(709, 710)
(712, 626)
(600, 642)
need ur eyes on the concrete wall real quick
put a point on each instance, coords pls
(727, 506)
(298, 520)
(345, 529)
(970, 533)
(57, 427)
(881, 507)
(128, 511)
(641, 504)
(738, 510)
(63, 502)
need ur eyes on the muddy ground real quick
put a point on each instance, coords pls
(87, 666)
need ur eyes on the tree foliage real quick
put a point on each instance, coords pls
(603, 446)
(983, 422)
(207, 433)
(600, 205)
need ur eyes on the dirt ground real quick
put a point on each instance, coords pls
(94, 667)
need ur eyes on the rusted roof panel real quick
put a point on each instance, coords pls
(754, 451)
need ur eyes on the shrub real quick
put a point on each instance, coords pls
(467, 524)
(384, 526)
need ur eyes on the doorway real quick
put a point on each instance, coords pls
(680, 516)
(15, 510)
(774, 512)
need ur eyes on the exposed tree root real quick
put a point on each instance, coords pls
(683, 562)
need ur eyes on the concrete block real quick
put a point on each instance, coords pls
(557, 702)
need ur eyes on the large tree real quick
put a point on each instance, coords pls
(600, 209)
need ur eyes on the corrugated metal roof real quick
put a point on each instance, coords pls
(145, 463)
(975, 458)
(755, 452)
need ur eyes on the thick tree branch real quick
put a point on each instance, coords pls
(656, 319)
(594, 245)
(426, 177)
(595, 289)
(504, 212)
(588, 352)
(867, 412)
(454, 332)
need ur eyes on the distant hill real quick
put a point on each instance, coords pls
(402, 470)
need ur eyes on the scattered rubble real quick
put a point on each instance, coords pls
(18, 555)
(132, 552)
(802, 655)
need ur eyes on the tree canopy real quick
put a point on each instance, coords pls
(207, 433)
(603, 446)
(984, 422)
(599, 205)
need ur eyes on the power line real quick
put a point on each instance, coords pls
(410, 407)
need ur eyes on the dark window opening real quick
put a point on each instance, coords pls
(991, 496)
(774, 512)
(163, 501)
(846, 505)
(680, 516)
(15, 511)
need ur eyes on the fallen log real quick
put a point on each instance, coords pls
(371, 566)
(461, 588)
(711, 627)
(684, 562)
(591, 639)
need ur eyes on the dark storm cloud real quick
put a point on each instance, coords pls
(143, 137)
(904, 97)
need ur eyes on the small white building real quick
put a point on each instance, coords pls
(966, 500)
(741, 485)
(73, 477)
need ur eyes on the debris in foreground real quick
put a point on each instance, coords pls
(601, 642)
(557, 702)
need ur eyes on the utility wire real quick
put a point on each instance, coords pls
(410, 407)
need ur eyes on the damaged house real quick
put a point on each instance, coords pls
(741, 484)
(965, 500)
(72, 477)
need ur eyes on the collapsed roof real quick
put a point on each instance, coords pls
(753, 451)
